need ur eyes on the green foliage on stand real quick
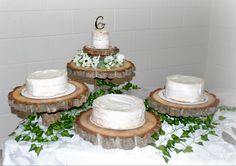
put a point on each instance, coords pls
(185, 131)
(191, 130)
(30, 129)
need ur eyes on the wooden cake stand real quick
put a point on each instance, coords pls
(49, 108)
(100, 52)
(174, 109)
(123, 139)
(80, 73)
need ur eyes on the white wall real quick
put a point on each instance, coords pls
(161, 37)
(221, 60)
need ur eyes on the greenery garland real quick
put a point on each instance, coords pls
(31, 129)
(185, 132)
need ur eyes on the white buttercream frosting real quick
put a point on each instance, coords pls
(46, 83)
(100, 39)
(116, 111)
(184, 88)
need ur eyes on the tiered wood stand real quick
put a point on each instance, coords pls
(119, 74)
(123, 139)
(49, 108)
(173, 109)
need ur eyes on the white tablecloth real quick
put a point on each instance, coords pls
(79, 152)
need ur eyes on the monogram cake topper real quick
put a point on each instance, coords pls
(99, 25)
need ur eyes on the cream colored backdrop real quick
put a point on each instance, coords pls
(161, 37)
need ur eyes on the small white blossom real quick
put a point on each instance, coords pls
(120, 57)
(95, 61)
(108, 59)
(86, 61)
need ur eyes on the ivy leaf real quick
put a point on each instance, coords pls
(38, 150)
(178, 150)
(49, 132)
(161, 132)
(32, 147)
(212, 132)
(204, 137)
(188, 149)
(221, 117)
(65, 133)
(26, 138)
(164, 150)
(155, 136)
(18, 138)
(200, 143)
(196, 127)
(185, 134)
(166, 159)
(170, 144)
(27, 127)
(31, 117)
(175, 138)
(54, 138)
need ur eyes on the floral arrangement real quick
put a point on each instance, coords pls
(111, 61)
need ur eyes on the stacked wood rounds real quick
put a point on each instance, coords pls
(186, 110)
(48, 107)
(123, 139)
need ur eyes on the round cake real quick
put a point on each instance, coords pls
(46, 83)
(100, 39)
(119, 112)
(184, 88)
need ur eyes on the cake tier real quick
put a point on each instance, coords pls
(120, 112)
(46, 83)
(184, 88)
(100, 39)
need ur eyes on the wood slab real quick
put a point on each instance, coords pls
(75, 72)
(174, 109)
(22, 103)
(92, 51)
(123, 139)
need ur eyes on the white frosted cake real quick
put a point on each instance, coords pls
(46, 83)
(116, 111)
(184, 88)
(100, 39)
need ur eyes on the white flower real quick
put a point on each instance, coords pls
(95, 61)
(80, 52)
(86, 61)
(120, 57)
(109, 59)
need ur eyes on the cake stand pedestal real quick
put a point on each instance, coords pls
(48, 108)
(123, 139)
(120, 74)
(186, 110)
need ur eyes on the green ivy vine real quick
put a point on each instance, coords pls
(185, 131)
(30, 129)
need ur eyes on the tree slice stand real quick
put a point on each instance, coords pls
(81, 73)
(92, 51)
(174, 109)
(49, 108)
(122, 139)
